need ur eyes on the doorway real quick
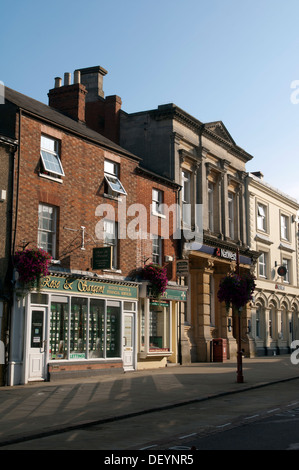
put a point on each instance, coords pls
(37, 345)
(129, 342)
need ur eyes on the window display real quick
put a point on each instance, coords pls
(159, 326)
(78, 331)
(113, 329)
(95, 321)
(58, 330)
(96, 328)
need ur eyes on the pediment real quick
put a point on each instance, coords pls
(219, 129)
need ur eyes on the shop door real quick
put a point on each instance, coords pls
(37, 346)
(128, 342)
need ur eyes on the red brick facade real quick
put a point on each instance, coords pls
(78, 196)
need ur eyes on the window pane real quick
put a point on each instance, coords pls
(96, 328)
(78, 328)
(50, 156)
(159, 326)
(113, 331)
(111, 167)
(58, 331)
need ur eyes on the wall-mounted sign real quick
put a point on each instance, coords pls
(279, 287)
(102, 258)
(182, 267)
(84, 286)
(227, 254)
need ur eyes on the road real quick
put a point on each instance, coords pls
(263, 418)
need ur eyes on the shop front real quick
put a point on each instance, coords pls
(209, 318)
(73, 326)
(159, 325)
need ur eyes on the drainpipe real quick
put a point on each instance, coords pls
(13, 243)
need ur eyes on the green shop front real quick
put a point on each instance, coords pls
(74, 325)
(160, 326)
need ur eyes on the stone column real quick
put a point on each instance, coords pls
(201, 311)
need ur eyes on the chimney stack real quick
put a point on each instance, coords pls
(69, 99)
(84, 101)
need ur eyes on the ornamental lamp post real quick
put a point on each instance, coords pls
(240, 378)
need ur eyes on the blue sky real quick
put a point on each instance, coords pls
(229, 60)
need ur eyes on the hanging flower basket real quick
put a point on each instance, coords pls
(236, 290)
(31, 265)
(156, 275)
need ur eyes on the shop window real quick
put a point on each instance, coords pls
(159, 326)
(78, 328)
(49, 152)
(113, 329)
(98, 323)
(96, 328)
(59, 329)
(47, 225)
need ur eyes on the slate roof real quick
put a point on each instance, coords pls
(52, 116)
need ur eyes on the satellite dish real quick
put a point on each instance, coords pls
(282, 270)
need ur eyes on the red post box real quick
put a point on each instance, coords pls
(219, 350)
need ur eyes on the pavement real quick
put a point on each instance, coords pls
(47, 408)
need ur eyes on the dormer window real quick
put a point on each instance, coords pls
(113, 184)
(49, 151)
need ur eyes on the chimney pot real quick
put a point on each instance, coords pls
(77, 76)
(67, 78)
(58, 81)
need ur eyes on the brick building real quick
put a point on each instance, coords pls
(74, 192)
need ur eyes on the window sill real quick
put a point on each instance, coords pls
(157, 214)
(157, 353)
(51, 178)
(114, 198)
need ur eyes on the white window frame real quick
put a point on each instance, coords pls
(231, 215)
(284, 227)
(261, 217)
(262, 264)
(211, 206)
(49, 150)
(156, 249)
(51, 233)
(157, 201)
(186, 197)
(286, 262)
(111, 174)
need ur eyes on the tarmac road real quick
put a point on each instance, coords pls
(158, 409)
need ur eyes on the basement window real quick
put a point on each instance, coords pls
(50, 156)
(113, 186)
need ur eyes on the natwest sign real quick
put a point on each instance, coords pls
(221, 253)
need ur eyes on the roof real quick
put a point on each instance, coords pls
(51, 115)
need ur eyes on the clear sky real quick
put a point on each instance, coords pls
(228, 60)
